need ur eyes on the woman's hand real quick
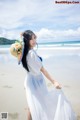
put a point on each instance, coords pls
(45, 72)
(57, 85)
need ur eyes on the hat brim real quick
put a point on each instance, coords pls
(14, 52)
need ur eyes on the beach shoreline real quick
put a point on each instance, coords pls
(63, 65)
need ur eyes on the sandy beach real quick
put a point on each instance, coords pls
(12, 93)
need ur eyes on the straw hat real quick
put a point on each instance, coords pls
(16, 50)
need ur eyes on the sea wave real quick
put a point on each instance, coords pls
(44, 52)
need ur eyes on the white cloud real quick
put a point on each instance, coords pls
(15, 14)
(58, 35)
(15, 34)
(47, 35)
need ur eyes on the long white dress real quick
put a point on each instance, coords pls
(44, 104)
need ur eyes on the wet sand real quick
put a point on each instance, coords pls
(12, 93)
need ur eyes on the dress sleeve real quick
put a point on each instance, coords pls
(34, 63)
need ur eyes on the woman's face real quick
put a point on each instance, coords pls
(33, 41)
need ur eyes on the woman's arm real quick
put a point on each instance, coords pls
(47, 75)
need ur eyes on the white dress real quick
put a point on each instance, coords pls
(44, 104)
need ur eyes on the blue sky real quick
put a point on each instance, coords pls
(50, 21)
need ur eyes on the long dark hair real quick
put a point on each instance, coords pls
(27, 36)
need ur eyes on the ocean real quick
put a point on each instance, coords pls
(61, 61)
(46, 51)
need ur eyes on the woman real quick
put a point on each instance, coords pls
(32, 63)
(42, 104)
